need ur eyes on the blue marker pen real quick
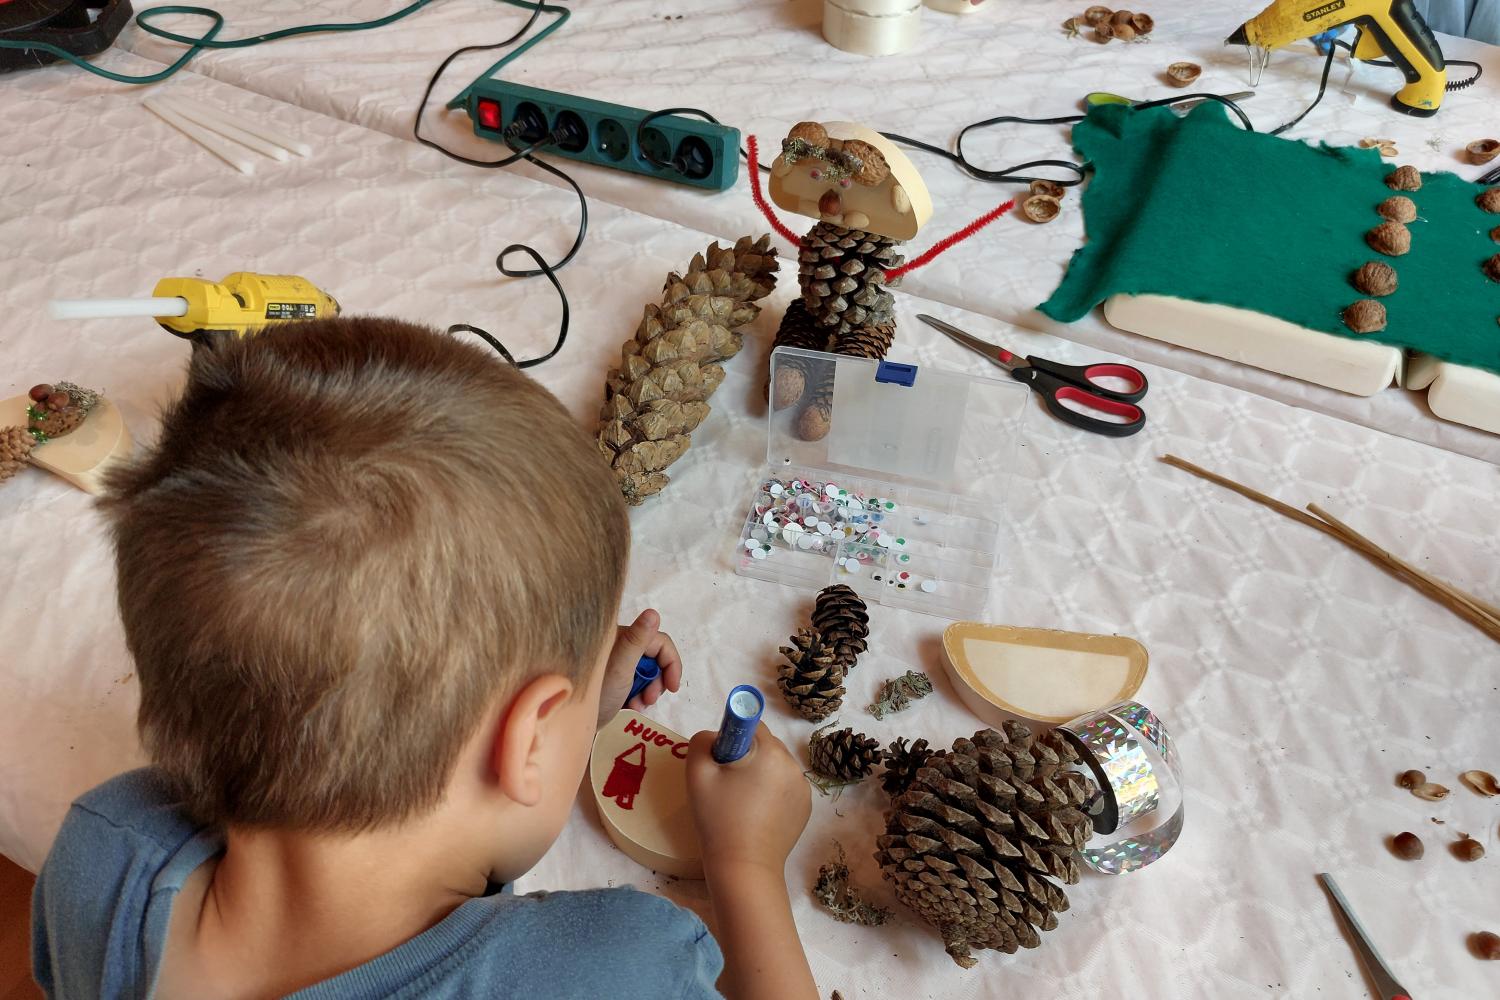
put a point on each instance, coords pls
(741, 715)
(646, 671)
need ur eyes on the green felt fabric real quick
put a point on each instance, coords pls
(1198, 208)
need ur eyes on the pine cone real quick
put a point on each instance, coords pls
(797, 330)
(844, 755)
(810, 678)
(902, 765)
(842, 276)
(974, 842)
(657, 396)
(842, 620)
(15, 446)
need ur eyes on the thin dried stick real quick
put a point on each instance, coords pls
(1460, 604)
(1489, 610)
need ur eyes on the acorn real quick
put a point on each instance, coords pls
(1183, 74)
(1142, 23)
(1483, 150)
(1378, 278)
(1124, 32)
(1492, 268)
(1040, 208)
(1411, 779)
(1486, 945)
(1365, 316)
(1468, 849)
(1489, 199)
(1397, 208)
(1097, 15)
(1390, 238)
(1407, 847)
(1051, 189)
(1404, 179)
(1104, 31)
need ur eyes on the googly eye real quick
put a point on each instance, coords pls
(815, 174)
(844, 183)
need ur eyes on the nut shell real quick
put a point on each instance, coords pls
(1124, 32)
(1120, 17)
(1041, 208)
(1365, 316)
(1104, 31)
(1051, 189)
(1483, 150)
(1378, 278)
(1095, 15)
(1489, 199)
(1480, 783)
(1431, 791)
(1407, 846)
(1142, 23)
(1411, 779)
(1183, 74)
(1397, 208)
(1406, 178)
(1390, 238)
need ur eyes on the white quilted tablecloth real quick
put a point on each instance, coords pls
(764, 66)
(1297, 679)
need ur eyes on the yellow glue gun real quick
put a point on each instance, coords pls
(1392, 28)
(242, 303)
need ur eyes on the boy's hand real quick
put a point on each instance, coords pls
(752, 811)
(643, 637)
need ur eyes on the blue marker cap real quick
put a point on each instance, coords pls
(646, 671)
(741, 715)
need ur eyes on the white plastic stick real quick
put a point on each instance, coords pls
(170, 305)
(214, 116)
(210, 119)
(214, 144)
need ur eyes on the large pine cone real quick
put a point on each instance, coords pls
(842, 620)
(844, 755)
(902, 764)
(842, 276)
(656, 398)
(15, 446)
(810, 678)
(975, 841)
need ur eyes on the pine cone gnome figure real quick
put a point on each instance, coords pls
(868, 199)
(978, 841)
(51, 412)
(658, 395)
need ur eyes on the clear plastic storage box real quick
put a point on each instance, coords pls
(886, 477)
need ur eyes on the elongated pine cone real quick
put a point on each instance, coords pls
(979, 841)
(844, 755)
(810, 679)
(842, 276)
(15, 446)
(657, 396)
(841, 618)
(797, 330)
(902, 764)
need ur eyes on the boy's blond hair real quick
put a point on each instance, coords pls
(351, 537)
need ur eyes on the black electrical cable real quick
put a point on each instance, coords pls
(524, 153)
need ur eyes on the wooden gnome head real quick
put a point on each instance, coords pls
(851, 176)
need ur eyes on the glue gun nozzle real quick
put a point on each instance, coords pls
(1240, 37)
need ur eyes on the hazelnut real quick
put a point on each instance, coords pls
(1183, 74)
(1096, 15)
(1486, 945)
(1407, 847)
(1468, 849)
(1378, 278)
(1483, 150)
(1412, 778)
(1492, 271)
(1124, 32)
(1040, 208)
(1051, 189)
(1489, 199)
(1365, 316)
(1142, 23)
(1404, 179)
(40, 392)
(1397, 208)
(1103, 31)
(1121, 17)
(1390, 238)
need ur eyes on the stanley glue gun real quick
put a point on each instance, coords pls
(194, 308)
(1389, 27)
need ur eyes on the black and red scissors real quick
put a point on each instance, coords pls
(1060, 385)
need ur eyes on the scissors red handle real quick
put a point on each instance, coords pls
(1057, 392)
(1087, 377)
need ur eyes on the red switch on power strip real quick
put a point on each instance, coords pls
(489, 113)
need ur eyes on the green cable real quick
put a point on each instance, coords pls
(209, 39)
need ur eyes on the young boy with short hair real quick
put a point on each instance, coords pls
(369, 576)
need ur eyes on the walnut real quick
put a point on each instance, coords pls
(1378, 278)
(1404, 179)
(1398, 208)
(1365, 316)
(1390, 238)
(1483, 150)
(1492, 268)
(1051, 189)
(1040, 208)
(1489, 199)
(1183, 74)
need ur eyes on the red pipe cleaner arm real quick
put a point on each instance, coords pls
(760, 199)
(949, 241)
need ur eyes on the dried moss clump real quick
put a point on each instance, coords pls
(1398, 208)
(1406, 178)
(1375, 278)
(1365, 316)
(1390, 238)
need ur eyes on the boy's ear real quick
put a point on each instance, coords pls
(526, 733)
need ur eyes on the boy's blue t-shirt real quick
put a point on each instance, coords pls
(105, 894)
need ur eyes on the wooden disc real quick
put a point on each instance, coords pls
(638, 771)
